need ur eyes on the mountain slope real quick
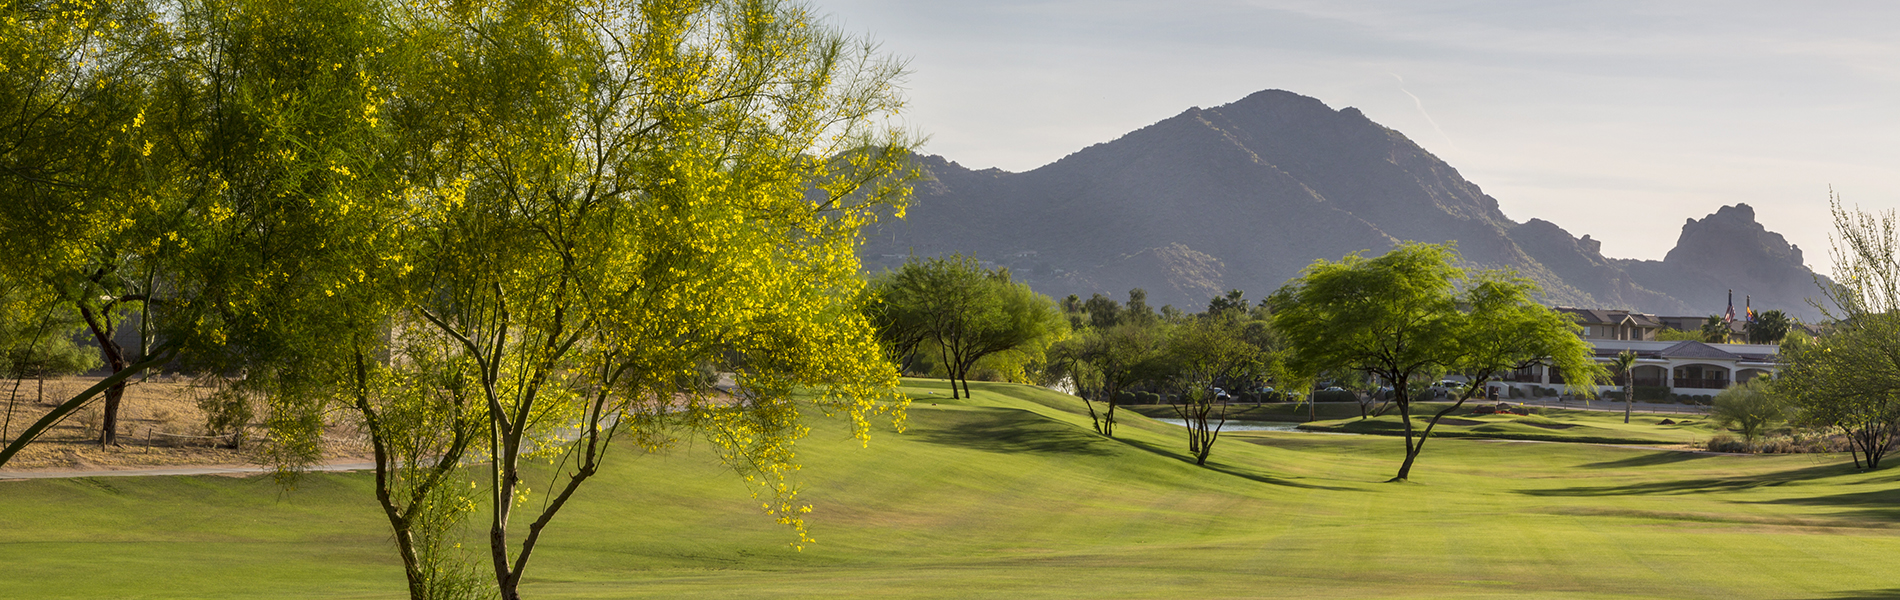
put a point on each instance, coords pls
(1246, 194)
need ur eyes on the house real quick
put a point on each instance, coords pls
(1687, 367)
(1605, 324)
(1684, 367)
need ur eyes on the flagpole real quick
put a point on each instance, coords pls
(1728, 316)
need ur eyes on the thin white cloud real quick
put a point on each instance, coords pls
(1421, 111)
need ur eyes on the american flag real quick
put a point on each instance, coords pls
(1729, 316)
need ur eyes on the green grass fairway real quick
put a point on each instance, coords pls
(1550, 424)
(1544, 423)
(1010, 495)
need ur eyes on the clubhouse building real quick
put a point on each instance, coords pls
(1689, 368)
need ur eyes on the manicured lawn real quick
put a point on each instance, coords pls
(1552, 424)
(1009, 495)
(1548, 424)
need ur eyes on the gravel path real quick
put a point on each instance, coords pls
(170, 470)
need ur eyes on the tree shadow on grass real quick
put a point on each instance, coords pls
(1219, 468)
(1883, 505)
(1689, 486)
(1008, 431)
(1647, 459)
(1889, 594)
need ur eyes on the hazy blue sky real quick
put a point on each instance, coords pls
(1617, 119)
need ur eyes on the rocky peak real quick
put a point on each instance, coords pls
(1731, 236)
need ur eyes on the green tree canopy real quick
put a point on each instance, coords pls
(1104, 362)
(1203, 353)
(1750, 408)
(1848, 377)
(1402, 317)
(553, 219)
(970, 314)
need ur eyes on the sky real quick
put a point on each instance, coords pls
(1617, 119)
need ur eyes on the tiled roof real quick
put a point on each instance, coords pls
(1695, 349)
(1601, 316)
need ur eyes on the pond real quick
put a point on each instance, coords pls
(1246, 425)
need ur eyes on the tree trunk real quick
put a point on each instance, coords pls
(115, 358)
(109, 423)
(1411, 452)
(949, 370)
(1628, 400)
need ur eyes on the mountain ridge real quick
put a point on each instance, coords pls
(1245, 194)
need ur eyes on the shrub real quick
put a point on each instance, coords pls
(1749, 409)
(1796, 442)
(1124, 397)
(1148, 397)
(1650, 393)
(1723, 442)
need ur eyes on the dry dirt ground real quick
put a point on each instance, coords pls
(160, 424)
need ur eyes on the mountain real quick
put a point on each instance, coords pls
(1246, 194)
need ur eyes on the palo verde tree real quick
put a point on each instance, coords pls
(221, 171)
(1849, 376)
(1401, 317)
(1105, 361)
(1206, 351)
(967, 313)
(1844, 379)
(680, 192)
(83, 168)
(1501, 329)
(37, 341)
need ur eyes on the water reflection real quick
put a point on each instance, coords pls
(1245, 425)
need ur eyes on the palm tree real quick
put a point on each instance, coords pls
(1621, 365)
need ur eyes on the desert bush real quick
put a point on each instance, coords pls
(1803, 442)
(1723, 442)
(89, 420)
(1787, 442)
(227, 413)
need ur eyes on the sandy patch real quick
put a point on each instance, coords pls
(160, 424)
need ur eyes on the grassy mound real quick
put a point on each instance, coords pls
(1009, 494)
